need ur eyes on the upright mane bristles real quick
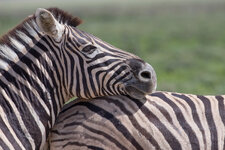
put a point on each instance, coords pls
(60, 15)
(64, 17)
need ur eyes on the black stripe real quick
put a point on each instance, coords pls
(103, 64)
(94, 147)
(82, 144)
(99, 66)
(93, 89)
(115, 74)
(65, 69)
(106, 63)
(67, 117)
(220, 100)
(50, 70)
(38, 54)
(13, 121)
(81, 33)
(194, 113)
(80, 41)
(59, 59)
(27, 118)
(133, 120)
(78, 91)
(102, 55)
(121, 79)
(3, 145)
(26, 91)
(56, 59)
(84, 34)
(105, 75)
(210, 121)
(71, 75)
(112, 50)
(164, 111)
(83, 75)
(6, 131)
(108, 116)
(173, 142)
(64, 136)
(34, 68)
(97, 132)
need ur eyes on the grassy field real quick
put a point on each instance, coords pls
(183, 40)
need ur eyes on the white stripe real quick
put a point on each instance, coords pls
(58, 103)
(31, 57)
(174, 127)
(18, 46)
(202, 112)
(124, 54)
(34, 76)
(1, 148)
(6, 121)
(187, 113)
(4, 65)
(20, 120)
(40, 66)
(118, 83)
(217, 120)
(31, 30)
(27, 84)
(8, 53)
(25, 38)
(80, 75)
(30, 108)
(52, 113)
(109, 75)
(5, 140)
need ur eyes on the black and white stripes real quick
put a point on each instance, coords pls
(44, 62)
(163, 121)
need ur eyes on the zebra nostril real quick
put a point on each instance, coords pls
(145, 75)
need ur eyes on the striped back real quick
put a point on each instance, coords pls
(45, 61)
(163, 121)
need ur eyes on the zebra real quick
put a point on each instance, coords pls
(45, 61)
(162, 121)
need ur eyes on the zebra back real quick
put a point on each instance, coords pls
(163, 121)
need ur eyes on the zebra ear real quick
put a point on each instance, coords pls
(48, 24)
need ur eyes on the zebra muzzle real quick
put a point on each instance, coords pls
(143, 82)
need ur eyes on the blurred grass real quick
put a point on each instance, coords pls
(183, 40)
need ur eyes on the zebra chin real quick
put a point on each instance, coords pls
(138, 90)
(138, 93)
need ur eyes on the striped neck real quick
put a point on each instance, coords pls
(32, 89)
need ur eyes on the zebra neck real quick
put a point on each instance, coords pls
(31, 94)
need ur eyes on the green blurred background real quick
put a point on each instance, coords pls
(184, 40)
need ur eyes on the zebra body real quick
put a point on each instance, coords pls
(163, 121)
(44, 62)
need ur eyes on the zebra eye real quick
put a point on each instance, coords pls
(89, 49)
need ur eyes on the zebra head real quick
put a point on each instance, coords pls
(92, 67)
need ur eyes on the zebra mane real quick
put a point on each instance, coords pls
(60, 15)
(25, 32)
(64, 17)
